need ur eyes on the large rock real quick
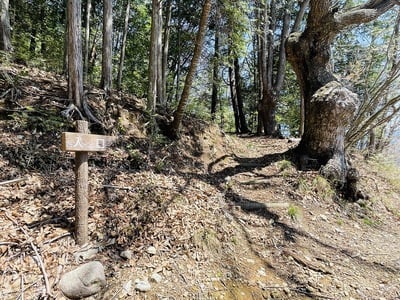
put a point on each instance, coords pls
(84, 281)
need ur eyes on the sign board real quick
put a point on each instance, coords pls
(75, 141)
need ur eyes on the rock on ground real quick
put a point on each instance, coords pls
(84, 281)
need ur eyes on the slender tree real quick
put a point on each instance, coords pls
(106, 72)
(329, 106)
(123, 46)
(380, 97)
(242, 126)
(178, 114)
(215, 76)
(165, 50)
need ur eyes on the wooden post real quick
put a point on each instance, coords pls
(81, 142)
(81, 190)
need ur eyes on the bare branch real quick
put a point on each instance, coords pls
(364, 13)
(300, 15)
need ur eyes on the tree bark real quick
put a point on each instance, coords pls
(328, 105)
(165, 51)
(106, 72)
(75, 78)
(123, 46)
(215, 80)
(5, 29)
(235, 108)
(155, 76)
(238, 87)
(87, 38)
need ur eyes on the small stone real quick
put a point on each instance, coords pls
(142, 285)
(127, 287)
(250, 261)
(262, 272)
(155, 277)
(85, 254)
(127, 254)
(151, 250)
(84, 281)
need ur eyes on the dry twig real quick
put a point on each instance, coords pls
(38, 257)
(13, 181)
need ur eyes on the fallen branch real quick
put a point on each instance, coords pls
(308, 264)
(13, 181)
(38, 257)
(125, 188)
(22, 287)
(57, 238)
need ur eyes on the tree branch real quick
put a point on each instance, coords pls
(364, 13)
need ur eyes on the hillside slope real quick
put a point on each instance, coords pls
(215, 216)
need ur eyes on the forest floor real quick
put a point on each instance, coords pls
(215, 216)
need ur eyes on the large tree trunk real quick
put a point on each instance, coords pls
(155, 76)
(75, 76)
(328, 105)
(87, 38)
(5, 29)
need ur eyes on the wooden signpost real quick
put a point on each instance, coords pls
(81, 142)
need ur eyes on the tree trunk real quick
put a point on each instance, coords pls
(106, 72)
(268, 113)
(215, 80)
(123, 46)
(178, 115)
(155, 55)
(328, 105)
(238, 87)
(273, 72)
(165, 51)
(232, 87)
(5, 29)
(75, 78)
(87, 38)
(32, 41)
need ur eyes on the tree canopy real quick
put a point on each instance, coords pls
(243, 81)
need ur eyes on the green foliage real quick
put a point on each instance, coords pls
(323, 188)
(36, 120)
(319, 186)
(286, 167)
(293, 212)
(288, 110)
(38, 28)
(237, 26)
(136, 159)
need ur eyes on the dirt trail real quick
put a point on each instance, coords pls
(321, 247)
